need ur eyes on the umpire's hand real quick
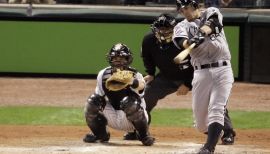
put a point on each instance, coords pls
(148, 78)
(182, 90)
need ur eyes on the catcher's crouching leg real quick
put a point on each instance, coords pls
(135, 113)
(95, 120)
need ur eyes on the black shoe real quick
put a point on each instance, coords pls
(91, 138)
(205, 150)
(228, 138)
(131, 136)
(148, 141)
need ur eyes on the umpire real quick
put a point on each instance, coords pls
(158, 51)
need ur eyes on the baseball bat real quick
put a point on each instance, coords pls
(183, 54)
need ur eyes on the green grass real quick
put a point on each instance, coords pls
(41, 116)
(172, 117)
(160, 117)
(183, 118)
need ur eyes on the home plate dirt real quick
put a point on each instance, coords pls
(117, 146)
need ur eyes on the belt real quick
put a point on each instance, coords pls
(216, 64)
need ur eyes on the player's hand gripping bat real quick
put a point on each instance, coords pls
(183, 54)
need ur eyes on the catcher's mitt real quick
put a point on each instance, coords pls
(119, 80)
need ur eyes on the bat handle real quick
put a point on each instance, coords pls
(183, 54)
(191, 46)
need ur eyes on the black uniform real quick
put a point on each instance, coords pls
(170, 75)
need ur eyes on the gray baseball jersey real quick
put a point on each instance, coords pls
(214, 48)
(211, 85)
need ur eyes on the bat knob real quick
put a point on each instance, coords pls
(177, 60)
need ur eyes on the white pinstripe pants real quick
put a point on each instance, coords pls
(117, 119)
(210, 93)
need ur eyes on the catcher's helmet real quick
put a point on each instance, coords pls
(119, 50)
(162, 27)
(184, 3)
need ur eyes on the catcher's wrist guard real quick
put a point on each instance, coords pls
(135, 84)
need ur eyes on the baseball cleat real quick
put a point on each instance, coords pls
(131, 136)
(91, 138)
(148, 141)
(205, 150)
(228, 138)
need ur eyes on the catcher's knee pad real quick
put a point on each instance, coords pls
(94, 105)
(98, 127)
(136, 115)
(131, 106)
(97, 119)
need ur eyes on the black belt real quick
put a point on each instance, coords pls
(216, 64)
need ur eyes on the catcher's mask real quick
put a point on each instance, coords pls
(184, 3)
(119, 56)
(162, 27)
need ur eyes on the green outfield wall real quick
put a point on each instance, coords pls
(76, 47)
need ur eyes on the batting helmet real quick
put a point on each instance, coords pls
(184, 3)
(162, 27)
(119, 50)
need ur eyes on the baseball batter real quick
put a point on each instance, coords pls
(123, 109)
(213, 77)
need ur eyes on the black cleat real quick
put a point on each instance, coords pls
(91, 138)
(131, 136)
(148, 141)
(228, 138)
(205, 150)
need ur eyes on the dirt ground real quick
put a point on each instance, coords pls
(73, 93)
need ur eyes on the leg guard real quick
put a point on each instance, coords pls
(229, 133)
(227, 121)
(135, 113)
(214, 131)
(95, 119)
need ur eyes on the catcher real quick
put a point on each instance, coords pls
(118, 100)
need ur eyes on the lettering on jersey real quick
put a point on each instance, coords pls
(183, 67)
(107, 73)
(213, 36)
(192, 30)
(184, 64)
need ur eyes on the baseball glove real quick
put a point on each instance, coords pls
(119, 80)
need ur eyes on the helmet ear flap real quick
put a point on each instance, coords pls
(152, 27)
